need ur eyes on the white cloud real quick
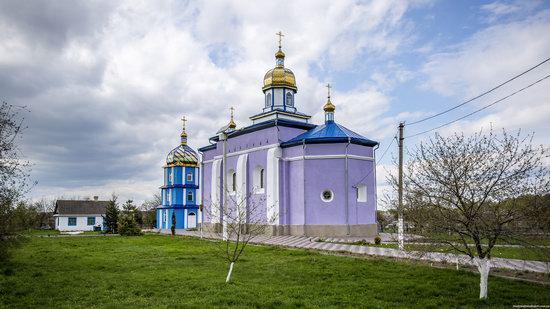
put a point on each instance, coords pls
(107, 85)
(499, 9)
(488, 58)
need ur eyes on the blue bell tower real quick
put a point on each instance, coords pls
(180, 198)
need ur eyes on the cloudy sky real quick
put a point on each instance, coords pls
(106, 82)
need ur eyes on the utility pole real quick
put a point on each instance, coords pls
(224, 207)
(400, 228)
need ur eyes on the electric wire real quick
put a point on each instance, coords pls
(382, 157)
(483, 108)
(479, 96)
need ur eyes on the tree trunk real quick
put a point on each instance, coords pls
(229, 272)
(400, 232)
(483, 266)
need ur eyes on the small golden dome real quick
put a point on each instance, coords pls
(329, 107)
(279, 76)
(279, 54)
(232, 124)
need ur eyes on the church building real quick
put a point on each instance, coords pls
(315, 180)
(180, 198)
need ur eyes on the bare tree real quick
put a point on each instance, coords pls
(149, 208)
(45, 208)
(471, 193)
(14, 172)
(245, 218)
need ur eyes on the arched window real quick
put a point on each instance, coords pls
(262, 178)
(289, 99)
(268, 100)
(258, 179)
(231, 181)
(190, 196)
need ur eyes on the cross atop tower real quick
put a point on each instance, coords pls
(184, 121)
(183, 134)
(328, 89)
(281, 35)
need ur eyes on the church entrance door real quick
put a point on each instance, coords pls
(191, 220)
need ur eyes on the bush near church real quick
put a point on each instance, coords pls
(128, 226)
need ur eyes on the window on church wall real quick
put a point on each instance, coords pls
(258, 179)
(189, 196)
(189, 176)
(231, 181)
(289, 98)
(262, 178)
(361, 193)
(268, 100)
(169, 198)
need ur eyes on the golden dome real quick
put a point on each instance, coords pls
(279, 76)
(329, 107)
(279, 54)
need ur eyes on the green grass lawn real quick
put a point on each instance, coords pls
(40, 233)
(165, 271)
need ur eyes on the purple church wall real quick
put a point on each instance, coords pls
(257, 200)
(322, 175)
(295, 207)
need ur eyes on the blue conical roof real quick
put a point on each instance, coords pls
(330, 132)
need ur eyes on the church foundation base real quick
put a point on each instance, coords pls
(211, 227)
(354, 230)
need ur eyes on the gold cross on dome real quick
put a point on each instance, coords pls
(328, 89)
(281, 35)
(183, 120)
(232, 109)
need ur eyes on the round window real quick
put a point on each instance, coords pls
(327, 195)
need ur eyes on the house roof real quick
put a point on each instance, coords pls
(330, 132)
(72, 207)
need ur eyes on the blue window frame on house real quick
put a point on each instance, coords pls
(72, 221)
(91, 220)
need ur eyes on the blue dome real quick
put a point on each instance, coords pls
(331, 132)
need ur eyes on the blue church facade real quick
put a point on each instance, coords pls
(180, 195)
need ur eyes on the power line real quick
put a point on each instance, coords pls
(382, 157)
(479, 96)
(484, 107)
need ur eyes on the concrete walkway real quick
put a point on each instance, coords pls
(311, 243)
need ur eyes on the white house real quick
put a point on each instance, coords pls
(79, 215)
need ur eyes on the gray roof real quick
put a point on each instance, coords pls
(71, 207)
